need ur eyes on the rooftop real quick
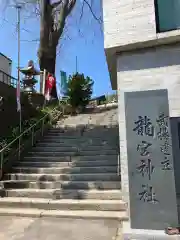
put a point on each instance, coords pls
(5, 56)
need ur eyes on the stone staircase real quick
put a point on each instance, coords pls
(71, 172)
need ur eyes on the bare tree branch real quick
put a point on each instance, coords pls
(91, 10)
(71, 5)
(82, 11)
(54, 21)
(65, 10)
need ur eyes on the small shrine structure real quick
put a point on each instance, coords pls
(29, 80)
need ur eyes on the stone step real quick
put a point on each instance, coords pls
(60, 126)
(52, 162)
(83, 133)
(72, 159)
(84, 151)
(63, 177)
(72, 138)
(105, 128)
(89, 142)
(75, 139)
(75, 147)
(64, 128)
(53, 152)
(103, 136)
(82, 185)
(65, 170)
(108, 124)
(63, 204)
(81, 138)
(96, 132)
(48, 159)
(112, 194)
(29, 212)
(89, 150)
(66, 134)
(74, 144)
(77, 185)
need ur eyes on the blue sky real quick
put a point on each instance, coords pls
(82, 38)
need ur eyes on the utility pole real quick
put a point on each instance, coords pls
(18, 7)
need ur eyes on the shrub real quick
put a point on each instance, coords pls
(79, 90)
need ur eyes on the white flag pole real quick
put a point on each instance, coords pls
(43, 83)
(43, 86)
(18, 7)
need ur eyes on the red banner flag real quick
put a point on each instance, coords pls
(50, 82)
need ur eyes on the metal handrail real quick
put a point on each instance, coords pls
(31, 128)
(9, 80)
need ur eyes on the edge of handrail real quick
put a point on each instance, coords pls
(8, 75)
(27, 130)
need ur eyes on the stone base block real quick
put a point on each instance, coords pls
(141, 234)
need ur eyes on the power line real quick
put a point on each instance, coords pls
(15, 25)
(22, 28)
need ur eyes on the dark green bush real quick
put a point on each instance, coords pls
(79, 90)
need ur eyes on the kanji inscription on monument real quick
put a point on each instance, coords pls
(152, 194)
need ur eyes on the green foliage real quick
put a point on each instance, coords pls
(112, 98)
(4, 143)
(52, 114)
(79, 90)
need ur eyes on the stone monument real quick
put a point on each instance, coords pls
(29, 80)
(151, 181)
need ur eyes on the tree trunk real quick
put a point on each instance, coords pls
(49, 63)
(50, 33)
(47, 48)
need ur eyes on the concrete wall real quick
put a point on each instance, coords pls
(9, 117)
(128, 21)
(148, 69)
(5, 69)
(5, 64)
(130, 25)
